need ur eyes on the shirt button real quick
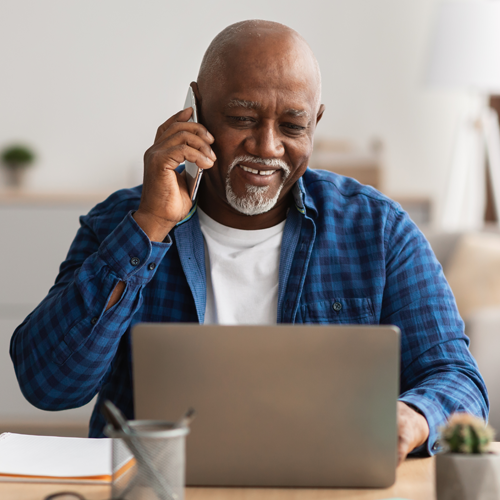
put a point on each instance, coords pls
(135, 261)
(94, 320)
(151, 266)
(336, 306)
(435, 446)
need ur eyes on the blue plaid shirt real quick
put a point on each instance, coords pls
(342, 242)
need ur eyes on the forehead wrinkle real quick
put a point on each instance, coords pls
(241, 103)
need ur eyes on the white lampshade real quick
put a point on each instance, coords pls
(465, 49)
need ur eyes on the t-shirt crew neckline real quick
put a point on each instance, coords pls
(243, 235)
(242, 273)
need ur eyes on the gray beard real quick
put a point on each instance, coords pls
(255, 201)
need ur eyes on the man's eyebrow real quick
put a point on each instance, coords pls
(240, 103)
(297, 112)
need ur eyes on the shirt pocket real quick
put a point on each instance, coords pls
(339, 310)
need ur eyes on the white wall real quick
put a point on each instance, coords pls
(88, 82)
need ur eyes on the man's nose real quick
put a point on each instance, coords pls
(265, 142)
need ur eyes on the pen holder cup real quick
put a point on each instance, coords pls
(150, 465)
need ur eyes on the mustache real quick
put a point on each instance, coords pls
(268, 162)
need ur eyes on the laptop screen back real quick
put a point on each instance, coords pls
(285, 405)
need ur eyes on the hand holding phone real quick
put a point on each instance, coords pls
(167, 196)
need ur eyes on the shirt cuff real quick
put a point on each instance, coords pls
(129, 252)
(435, 418)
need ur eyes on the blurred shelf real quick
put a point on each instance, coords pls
(365, 164)
(419, 207)
(40, 198)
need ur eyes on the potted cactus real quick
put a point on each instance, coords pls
(466, 469)
(15, 159)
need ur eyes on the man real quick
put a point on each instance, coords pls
(269, 241)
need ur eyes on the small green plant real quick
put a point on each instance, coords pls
(466, 433)
(17, 156)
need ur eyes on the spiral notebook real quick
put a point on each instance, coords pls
(58, 459)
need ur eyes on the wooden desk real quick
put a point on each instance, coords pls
(415, 481)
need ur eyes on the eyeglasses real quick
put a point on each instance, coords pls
(65, 495)
(69, 495)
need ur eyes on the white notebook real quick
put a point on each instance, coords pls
(57, 459)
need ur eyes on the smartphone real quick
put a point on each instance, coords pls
(193, 173)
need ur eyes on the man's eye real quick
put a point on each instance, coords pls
(293, 127)
(240, 119)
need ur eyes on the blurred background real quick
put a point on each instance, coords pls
(85, 84)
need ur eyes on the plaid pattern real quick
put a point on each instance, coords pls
(345, 243)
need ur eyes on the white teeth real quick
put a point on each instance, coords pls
(248, 169)
(259, 172)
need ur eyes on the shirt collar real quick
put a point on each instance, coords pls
(299, 195)
(301, 199)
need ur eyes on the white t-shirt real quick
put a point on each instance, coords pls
(242, 273)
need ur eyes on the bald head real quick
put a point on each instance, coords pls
(260, 45)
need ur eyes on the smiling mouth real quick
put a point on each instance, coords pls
(257, 172)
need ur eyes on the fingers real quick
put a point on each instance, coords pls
(180, 120)
(182, 116)
(178, 140)
(180, 134)
(405, 432)
(403, 448)
(165, 199)
(175, 149)
(413, 430)
(172, 157)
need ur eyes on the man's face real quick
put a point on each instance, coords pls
(262, 113)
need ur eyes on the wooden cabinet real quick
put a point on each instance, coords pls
(342, 157)
(365, 164)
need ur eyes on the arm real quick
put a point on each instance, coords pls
(438, 374)
(64, 349)
(165, 200)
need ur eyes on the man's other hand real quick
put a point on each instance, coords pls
(413, 430)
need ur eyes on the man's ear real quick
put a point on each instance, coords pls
(196, 91)
(320, 113)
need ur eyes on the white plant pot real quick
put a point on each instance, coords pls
(467, 477)
(15, 177)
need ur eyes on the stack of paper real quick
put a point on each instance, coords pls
(50, 459)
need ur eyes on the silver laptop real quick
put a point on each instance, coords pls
(284, 406)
